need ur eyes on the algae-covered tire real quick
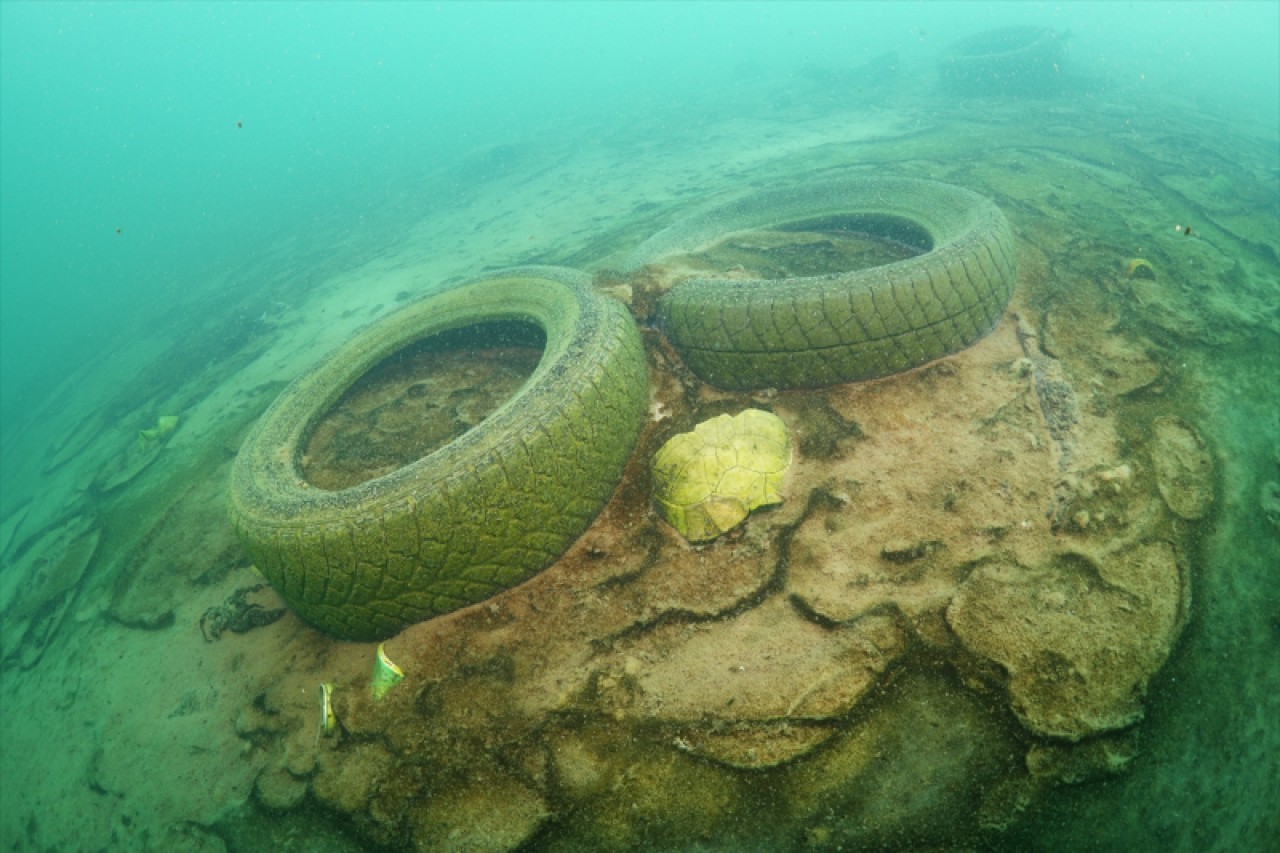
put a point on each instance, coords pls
(1018, 60)
(480, 514)
(807, 332)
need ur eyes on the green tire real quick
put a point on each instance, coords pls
(843, 327)
(1024, 60)
(477, 516)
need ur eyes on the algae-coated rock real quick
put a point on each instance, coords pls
(37, 589)
(1078, 638)
(278, 789)
(493, 813)
(1184, 469)
(705, 482)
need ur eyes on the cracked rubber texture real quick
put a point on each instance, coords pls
(480, 514)
(821, 330)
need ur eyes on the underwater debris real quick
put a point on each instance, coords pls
(328, 720)
(1140, 268)
(165, 425)
(1009, 61)
(238, 615)
(708, 480)
(386, 674)
(1056, 396)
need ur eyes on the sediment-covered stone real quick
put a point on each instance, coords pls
(277, 789)
(490, 812)
(1078, 637)
(904, 772)
(1184, 469)
(37, 589)
(770, 663)
(346, 780)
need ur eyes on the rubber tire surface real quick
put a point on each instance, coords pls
(1026, 60)
(477, 516)
(815, 331)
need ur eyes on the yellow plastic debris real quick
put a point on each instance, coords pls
(705, 482)
(165, 425)
(385, 673)
(328, 720)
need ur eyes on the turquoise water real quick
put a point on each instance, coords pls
(197, 201)
(125, 116)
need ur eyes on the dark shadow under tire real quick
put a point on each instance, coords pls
(482, 513)
(808, 332)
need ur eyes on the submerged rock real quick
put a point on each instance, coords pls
(494, 812)
(37, 589)
(1183, 467)
(1078, 637)
(770, 671)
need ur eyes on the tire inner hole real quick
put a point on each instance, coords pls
(419, 399)
(814, 247)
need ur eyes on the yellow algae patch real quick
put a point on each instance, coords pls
(705, 482)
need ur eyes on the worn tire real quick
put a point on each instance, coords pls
(1019, 60)
(821, 330)
(474, 517)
